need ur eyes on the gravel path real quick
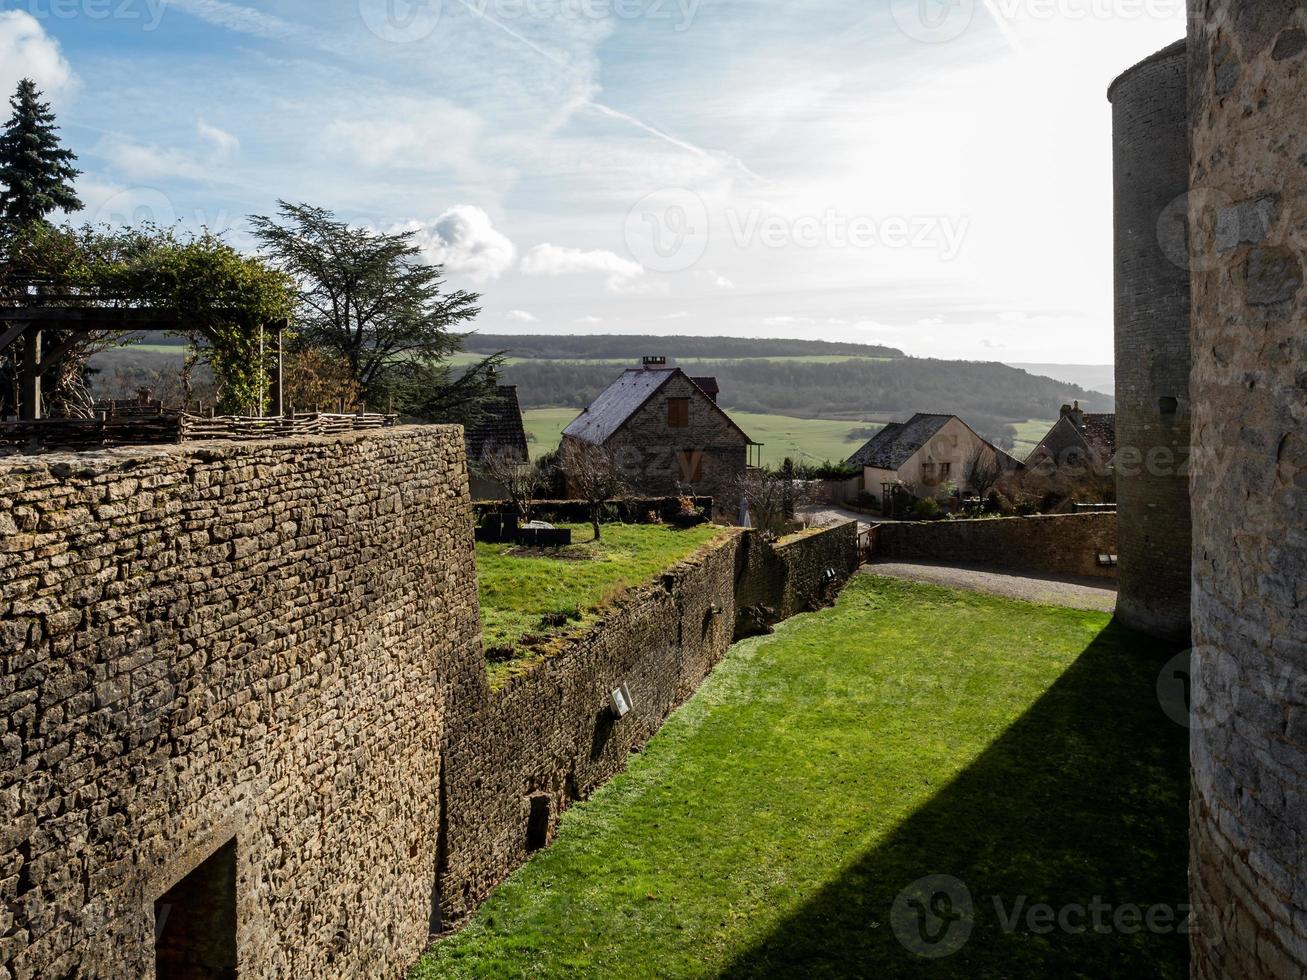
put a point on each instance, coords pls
(1074, 593)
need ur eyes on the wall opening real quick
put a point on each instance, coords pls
(1168, 405)
(537, 824)
(195, 922)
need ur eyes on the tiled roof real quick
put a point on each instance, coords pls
(1100, 434)
(895, 444)
(710, 387)
(500, 427)
(617, 403)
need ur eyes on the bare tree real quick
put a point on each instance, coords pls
(983, 470)
(772, 499)
(520, 480)
(593, 476)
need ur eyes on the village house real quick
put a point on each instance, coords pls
(928, 454)
(1078, 440)
(666, 433)
(499, 430)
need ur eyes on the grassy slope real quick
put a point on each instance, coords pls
(806, 440)
(910, 731)
(1029, 435)
(516, 592)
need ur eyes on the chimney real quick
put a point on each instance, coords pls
(1066, 410)
(1077, 416)
(653, 363)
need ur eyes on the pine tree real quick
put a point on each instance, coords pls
(36, 172)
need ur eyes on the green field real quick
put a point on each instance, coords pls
(785, 821)
(804, 440)
(1029, 435)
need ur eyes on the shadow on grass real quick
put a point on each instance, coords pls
(1083, 799)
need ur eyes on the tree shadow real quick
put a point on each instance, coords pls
(1083, 799)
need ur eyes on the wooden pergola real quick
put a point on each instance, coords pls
(73, 323)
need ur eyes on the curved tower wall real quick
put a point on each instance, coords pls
(1248, 832)
(1150, 151)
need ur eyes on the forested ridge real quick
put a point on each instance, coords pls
(988, 396)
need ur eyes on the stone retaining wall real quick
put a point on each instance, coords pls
(1054, 544)
(246, 643)
(550, 737)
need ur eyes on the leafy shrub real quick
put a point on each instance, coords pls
(927, 509)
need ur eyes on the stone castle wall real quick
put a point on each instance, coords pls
(1150, 155)
(216, 643)
(550, 737)
(1248, 872)
(1053, 544)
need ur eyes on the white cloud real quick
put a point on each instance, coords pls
(224, 144)
(623, 275)
(522, 316)
(417, 135)
(678, 315)
(589, 319)
(465, 241)
(26, 51)
(138, 161)
(715, 278)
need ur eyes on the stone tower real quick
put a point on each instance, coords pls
(1248, 832)
(1150, 151)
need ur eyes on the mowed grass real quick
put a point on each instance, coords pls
(803, 440)
(518, 592)
(767, 830)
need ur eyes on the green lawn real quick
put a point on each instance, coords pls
(804, 440)
(909, 731)
(517, 593)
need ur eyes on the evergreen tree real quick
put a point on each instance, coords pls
(36, 172)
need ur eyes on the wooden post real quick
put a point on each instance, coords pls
(30, 383)
(263, 377)
(278, 394)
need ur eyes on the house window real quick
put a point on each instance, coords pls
(690, 464)
(678, 413)
(928, 474)
(945, 471)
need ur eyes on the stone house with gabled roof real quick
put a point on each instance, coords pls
(1077, 440)
(928, 454)
(499, 429)
(666, 433)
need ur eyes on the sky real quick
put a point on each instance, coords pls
(934, 175)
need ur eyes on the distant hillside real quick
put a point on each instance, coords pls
(633, 347)
(1095, 377)
(988, 396)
